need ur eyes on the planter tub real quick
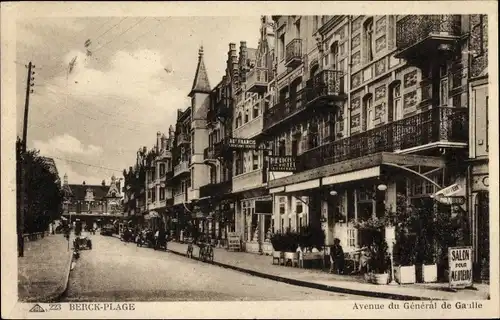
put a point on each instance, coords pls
(405, 274)
(277, 255)
(252, 247)
(429, 273)
(267, 248)
(293, 257)
(380, 278)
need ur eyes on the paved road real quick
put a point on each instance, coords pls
(118, 271)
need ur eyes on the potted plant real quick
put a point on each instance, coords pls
(404, 258)
(379, 259)
(291, 243)
(377, 248)
(277, 241)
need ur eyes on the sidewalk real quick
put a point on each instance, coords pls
(44, 270)
(261, 266)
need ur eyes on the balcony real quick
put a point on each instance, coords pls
(182, 167)
(257, 80)
(328, 85)
(441, 126)
(180, 198)
(326, 88)
(293, 53)
(282, 163)
(419, 37)
(250, 129)
(183, 138)
(216, 189)
(249, 180)
(208, 153)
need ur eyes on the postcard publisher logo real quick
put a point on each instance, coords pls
(37, 308)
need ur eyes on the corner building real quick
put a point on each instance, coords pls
(362, 101)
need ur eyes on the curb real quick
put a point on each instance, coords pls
(373, 294)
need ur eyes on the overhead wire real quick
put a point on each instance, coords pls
(86, 164)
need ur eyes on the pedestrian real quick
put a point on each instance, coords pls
(337, 257)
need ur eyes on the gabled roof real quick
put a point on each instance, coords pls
(200, 82)
(80, 190)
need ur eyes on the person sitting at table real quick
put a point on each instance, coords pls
(337, 257)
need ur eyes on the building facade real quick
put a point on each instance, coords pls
(98, 204)
(329, 119)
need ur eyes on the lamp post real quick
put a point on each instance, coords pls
(390, 235)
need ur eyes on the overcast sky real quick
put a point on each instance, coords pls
(116, 100)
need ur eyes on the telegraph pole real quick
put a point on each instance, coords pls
(22, 209)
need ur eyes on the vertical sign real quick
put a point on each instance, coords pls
(460, 262)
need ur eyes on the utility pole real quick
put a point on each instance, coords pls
(22, 209)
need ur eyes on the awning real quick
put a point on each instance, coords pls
(301, 186)
(352, 176)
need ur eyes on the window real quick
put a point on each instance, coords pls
(192, 143)
(281, 47)
(255, 111)
(367, 112)
(298, 206)
(255, 160)
(282, 204)
(282, 148)
(334, 51)
(162, 194)
(192, 175)
(368, 39)
(444, 92)
(153, 195)
(162, 169)
(297, 29)
(397, 112)
(247, 116)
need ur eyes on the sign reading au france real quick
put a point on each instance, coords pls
(460, 261)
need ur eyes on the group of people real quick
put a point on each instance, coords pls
(337, 258)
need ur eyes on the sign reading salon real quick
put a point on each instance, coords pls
(460, 263)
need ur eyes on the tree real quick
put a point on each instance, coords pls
(42, 195)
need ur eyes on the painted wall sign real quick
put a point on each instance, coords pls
(460, 263)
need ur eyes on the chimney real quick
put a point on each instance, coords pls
(65, 179)
(233, 61)
(83, 183)
(158, 141)
(243, 60)
(103, 183)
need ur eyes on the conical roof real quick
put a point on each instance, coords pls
(200, 82)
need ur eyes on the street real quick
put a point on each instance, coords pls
(118, 271)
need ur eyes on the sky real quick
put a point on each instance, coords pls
(114, 101)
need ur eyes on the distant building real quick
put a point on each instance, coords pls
(92, 202)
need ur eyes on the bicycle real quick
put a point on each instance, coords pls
(206, 253)
(189, 252)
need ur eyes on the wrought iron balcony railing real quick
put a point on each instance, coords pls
(216, 189)
(293, 53)
(326, 86)
(257, 79)
(182, 167)
(421, 35)
(438, 124)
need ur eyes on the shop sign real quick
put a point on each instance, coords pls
(233, 241)
(460, 266)
(448, 195)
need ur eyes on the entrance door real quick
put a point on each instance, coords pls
(483, 234)
(295, 147)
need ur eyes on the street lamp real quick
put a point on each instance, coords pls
(333, 193)
(390, 235)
